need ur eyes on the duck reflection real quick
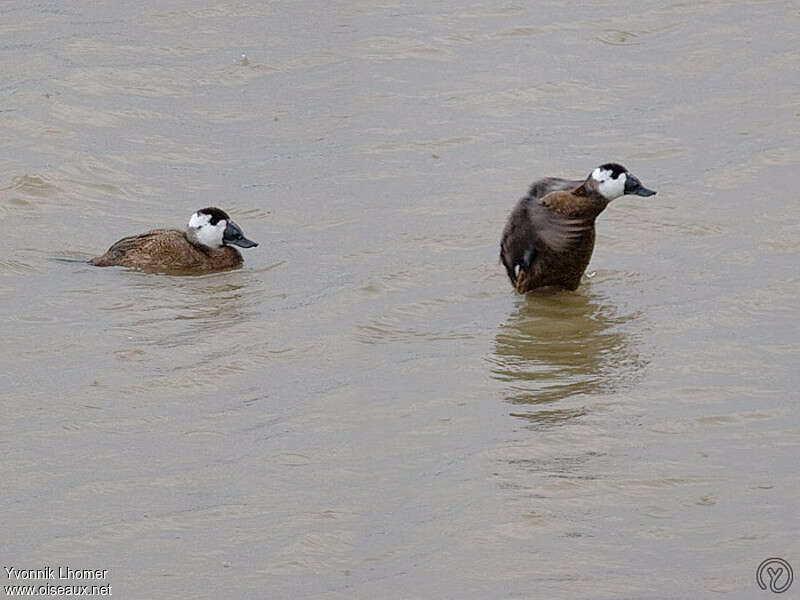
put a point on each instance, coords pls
(557, 345)
(190, 310)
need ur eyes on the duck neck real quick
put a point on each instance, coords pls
(591, 199)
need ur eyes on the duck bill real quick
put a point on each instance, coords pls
(233, 235)
(634, 187)
(243, 242)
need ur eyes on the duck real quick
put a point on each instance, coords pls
(205, 246)
(548, 239)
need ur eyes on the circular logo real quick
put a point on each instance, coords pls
(775, 574)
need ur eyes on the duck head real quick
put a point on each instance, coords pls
(213, 228)
(612, 180)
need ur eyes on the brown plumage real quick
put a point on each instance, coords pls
(167, 249)
(549, 237)
(202, 248)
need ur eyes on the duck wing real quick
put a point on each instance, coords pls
(541, 187)
(143, 243)
(536, 225)
(552, 228)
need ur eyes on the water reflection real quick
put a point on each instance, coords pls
(168, 333)
(561, 344)
(190, 309)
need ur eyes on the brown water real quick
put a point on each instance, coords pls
(366, 410)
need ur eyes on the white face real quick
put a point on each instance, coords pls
(609, 187)
(205, 233)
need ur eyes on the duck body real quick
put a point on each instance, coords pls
(204, 247)
(167, 249)
(549, 237)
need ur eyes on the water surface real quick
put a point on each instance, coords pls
(366, 410)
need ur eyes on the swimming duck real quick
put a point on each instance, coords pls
(204, 247)
(549, 237)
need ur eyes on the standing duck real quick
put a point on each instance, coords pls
(549, 237)
(204, 247)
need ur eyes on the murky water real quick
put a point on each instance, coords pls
(366, 410)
